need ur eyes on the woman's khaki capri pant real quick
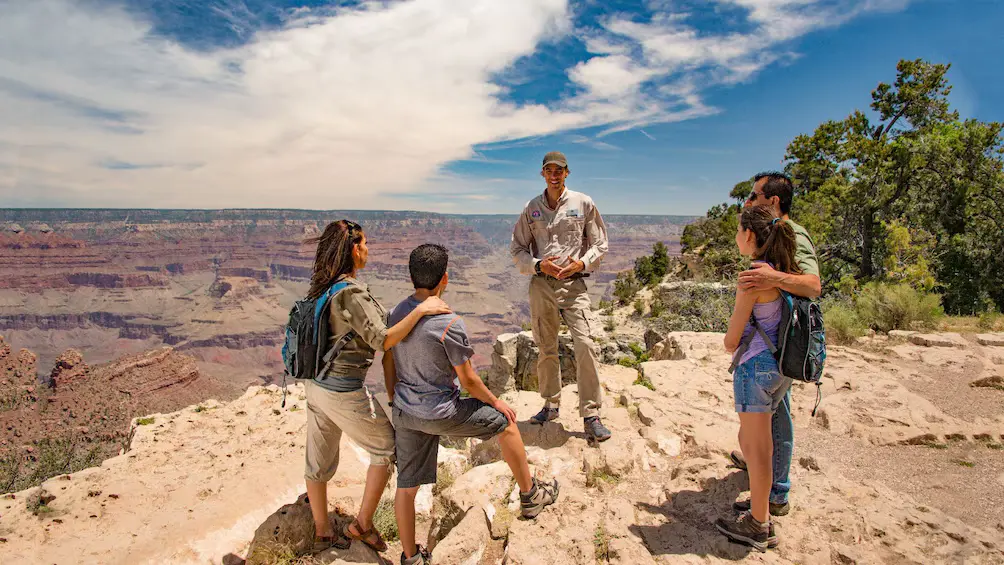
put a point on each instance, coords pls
(331, 413)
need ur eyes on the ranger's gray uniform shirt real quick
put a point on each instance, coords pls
(574, 229)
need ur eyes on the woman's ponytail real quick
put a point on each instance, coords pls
(775, 238)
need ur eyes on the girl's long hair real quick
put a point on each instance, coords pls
(334, 255)
(775, 238)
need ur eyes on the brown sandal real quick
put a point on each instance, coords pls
(324, 543)
(365, 536)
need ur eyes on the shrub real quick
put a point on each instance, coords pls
(886, 307)
(989, 320)
(601, 544)
(657, 308)
(628, 362)
(644, 381)
(144, 421)
(696, 307)
(609, 324)
(842, 323)
(626, 286)
(639, 307)
(384, 520)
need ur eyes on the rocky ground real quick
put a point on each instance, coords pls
(874, 477)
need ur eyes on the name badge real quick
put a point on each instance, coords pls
(572, 213)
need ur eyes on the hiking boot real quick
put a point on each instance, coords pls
(737, 459)
(423, 557)
(775, 509)
(546, 414)
(541, 494)
(595, 429)
(746, 530)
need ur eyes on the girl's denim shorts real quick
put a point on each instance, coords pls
(758, 385)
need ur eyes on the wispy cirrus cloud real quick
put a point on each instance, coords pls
(341, 106)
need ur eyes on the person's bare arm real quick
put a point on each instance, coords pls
(389, 374)
(473, 384)
(761, 276)
(740, 315)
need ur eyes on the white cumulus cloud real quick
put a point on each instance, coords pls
(348, 109)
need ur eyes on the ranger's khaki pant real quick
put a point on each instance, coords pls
(550, 302)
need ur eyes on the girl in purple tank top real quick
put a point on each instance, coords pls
(757, 383)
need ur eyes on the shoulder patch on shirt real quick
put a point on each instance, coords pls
(535, 214)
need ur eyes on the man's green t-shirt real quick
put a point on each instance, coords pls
(805, 252)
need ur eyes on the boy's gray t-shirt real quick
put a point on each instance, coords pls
(425, 362)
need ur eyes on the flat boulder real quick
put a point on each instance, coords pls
(938, 340)
(993, 340)
(466, 542)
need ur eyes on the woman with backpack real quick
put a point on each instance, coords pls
(337, 401)
(757, 382)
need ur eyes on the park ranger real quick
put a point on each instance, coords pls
(558, 239)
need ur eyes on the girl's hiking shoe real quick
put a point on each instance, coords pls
(595, 429)
(423, 557)
(546, 414)
(541, 494)
(775, 509)
(745, 529)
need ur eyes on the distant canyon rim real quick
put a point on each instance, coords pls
(217, 284)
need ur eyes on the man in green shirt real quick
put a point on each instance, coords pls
(775, 190)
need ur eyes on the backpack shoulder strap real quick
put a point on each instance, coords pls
(344, 340)
(744, 346)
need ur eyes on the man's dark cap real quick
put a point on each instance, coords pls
(556, 157)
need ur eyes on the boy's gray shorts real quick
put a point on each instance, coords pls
(417, 440)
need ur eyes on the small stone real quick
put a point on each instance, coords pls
(809, 463)
(45, 497)
(646, 413)
(93, 493)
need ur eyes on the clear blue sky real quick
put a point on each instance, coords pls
(661, 106)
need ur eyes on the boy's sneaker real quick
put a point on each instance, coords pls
(595, 429)
(541, 494)
(546, 414)
(745, 529)
(423, 557)
(775, 509)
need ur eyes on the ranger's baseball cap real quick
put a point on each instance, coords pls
(556, 157)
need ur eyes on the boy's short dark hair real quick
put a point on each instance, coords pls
(778, 184)
(427, 265)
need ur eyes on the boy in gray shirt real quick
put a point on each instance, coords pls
(421, 376)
